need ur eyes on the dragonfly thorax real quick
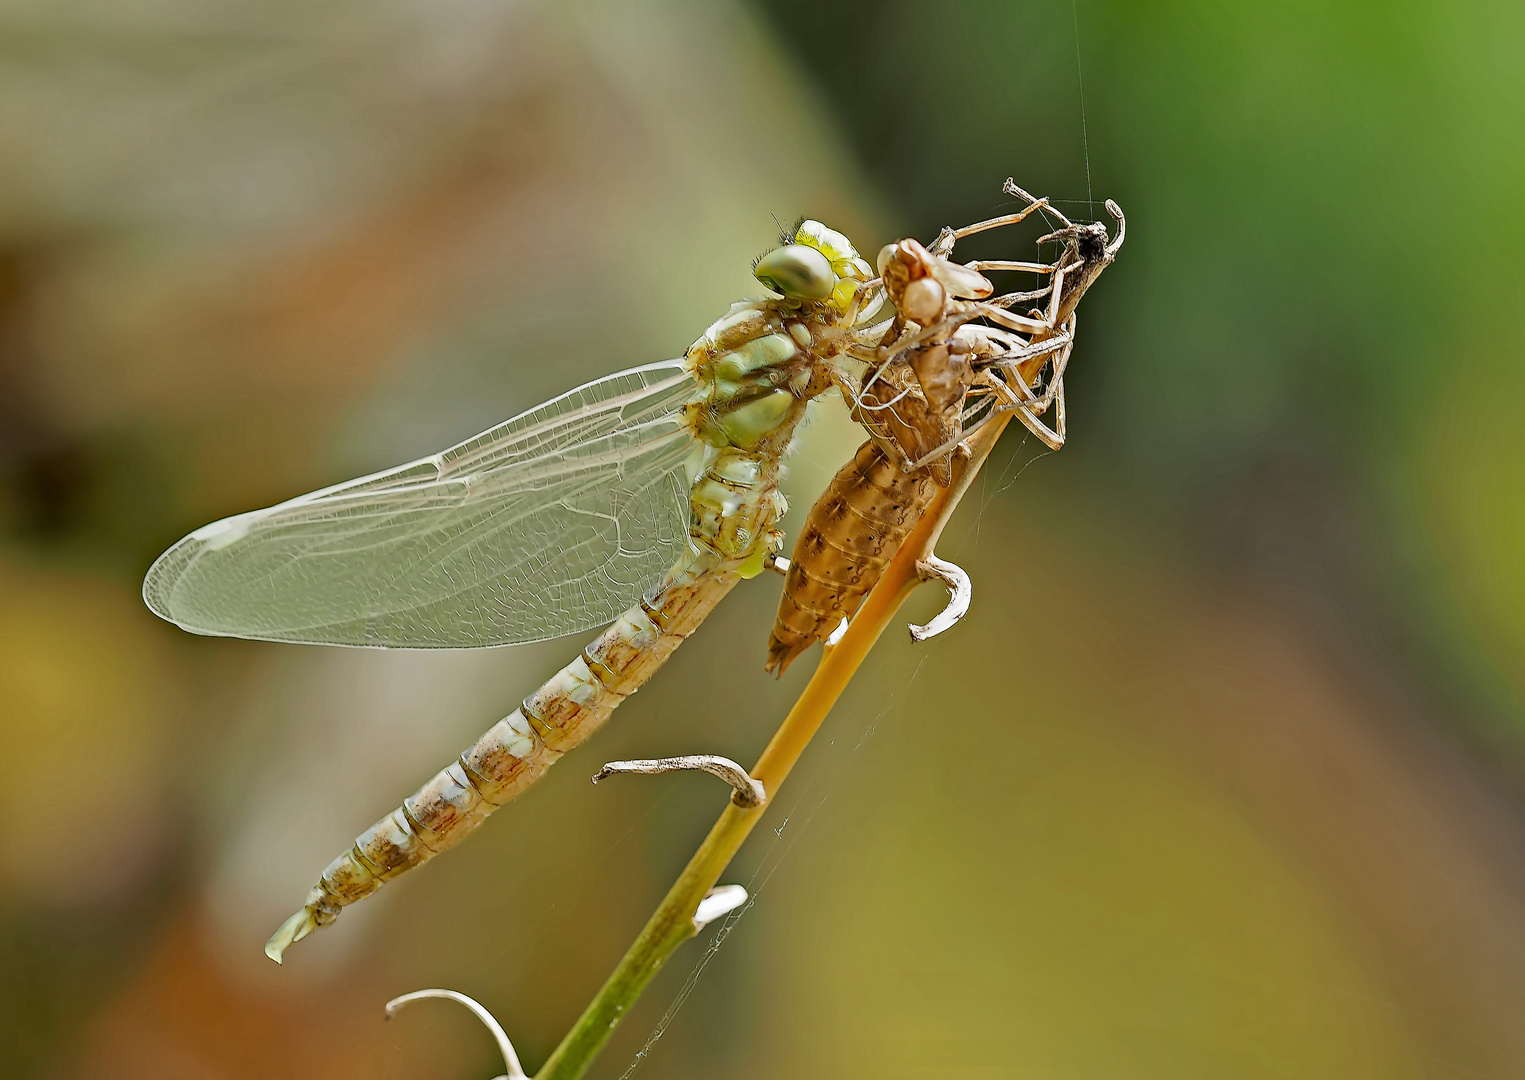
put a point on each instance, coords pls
(757, 367)
(761, 359)
(734, 505)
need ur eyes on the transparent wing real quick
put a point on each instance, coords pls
(550, 523)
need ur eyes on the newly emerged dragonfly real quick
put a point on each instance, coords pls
(642, 497)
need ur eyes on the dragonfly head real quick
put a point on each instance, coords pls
(919, 282)
(815, 263)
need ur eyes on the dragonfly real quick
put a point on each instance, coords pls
(634, 502)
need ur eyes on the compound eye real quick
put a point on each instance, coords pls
(922, 300)
(797, 271)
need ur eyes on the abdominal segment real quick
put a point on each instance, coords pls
(853, 531)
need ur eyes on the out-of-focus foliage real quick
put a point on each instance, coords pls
(1221, 777)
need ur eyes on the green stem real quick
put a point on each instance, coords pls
(673, 922)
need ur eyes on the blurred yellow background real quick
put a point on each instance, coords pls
(1223, 775)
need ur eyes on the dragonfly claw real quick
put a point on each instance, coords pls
(960, 591)
(512, 1070)
(749, 792)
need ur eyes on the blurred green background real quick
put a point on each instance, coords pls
(1223, 776)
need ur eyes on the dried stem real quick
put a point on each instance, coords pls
(673, 922)
(748, 791)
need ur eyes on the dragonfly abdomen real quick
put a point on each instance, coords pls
(853, 530)
(564, 712)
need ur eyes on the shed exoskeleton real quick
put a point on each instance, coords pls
(936, 370)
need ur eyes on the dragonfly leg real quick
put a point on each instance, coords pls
(943, 245)
(960, 591)
(1030, 408)
(749, 792)
(512, 1070)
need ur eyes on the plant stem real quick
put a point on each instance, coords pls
(673, 922)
